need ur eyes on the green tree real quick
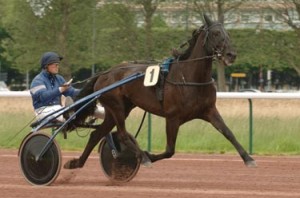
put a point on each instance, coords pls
(149, 8)
(58, 25)
(265, 48)
(4, 63)
(4, 35)
(82, 32)
(116, 35)
(288, 11)
(67, 29)
(20, 22)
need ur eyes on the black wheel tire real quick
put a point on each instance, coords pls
(124, 167)
(47, 168)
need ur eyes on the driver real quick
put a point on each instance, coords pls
(48, 87)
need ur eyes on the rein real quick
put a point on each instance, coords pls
(184, 83)
(85, 80)
(197, 59)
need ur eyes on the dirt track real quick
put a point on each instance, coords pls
(185, 175)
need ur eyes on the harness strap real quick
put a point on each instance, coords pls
(190, 83)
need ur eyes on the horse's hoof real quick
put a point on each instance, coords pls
(146, 161)
(72, 164)
(147, 164)
(251, 164)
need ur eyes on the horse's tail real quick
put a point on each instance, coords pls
(88, 110)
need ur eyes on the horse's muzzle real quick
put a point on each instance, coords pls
(229, 58)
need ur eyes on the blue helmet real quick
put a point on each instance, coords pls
(49, 58)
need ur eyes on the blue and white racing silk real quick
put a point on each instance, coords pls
(44, 90)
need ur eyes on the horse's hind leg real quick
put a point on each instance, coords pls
(216, 120)
(120, 111)
(95, 137)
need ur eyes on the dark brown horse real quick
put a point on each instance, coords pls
(188, 93)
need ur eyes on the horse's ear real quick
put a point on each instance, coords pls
(208, 21)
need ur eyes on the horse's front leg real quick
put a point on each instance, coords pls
(172, 126)
(216, 120)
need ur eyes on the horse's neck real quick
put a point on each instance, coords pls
(199, 65)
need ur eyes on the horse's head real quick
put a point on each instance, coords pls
(217, 41)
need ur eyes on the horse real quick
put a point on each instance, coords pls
(189, 93)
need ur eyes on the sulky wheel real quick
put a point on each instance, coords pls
(120, 169)
(45, 170)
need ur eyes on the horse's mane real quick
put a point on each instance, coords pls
(191, 44)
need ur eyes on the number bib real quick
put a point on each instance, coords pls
(151, 75)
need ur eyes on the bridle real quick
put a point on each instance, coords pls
(217, 54)
(216, 51)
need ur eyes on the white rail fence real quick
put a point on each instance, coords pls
(14, 94)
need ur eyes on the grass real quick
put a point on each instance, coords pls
(276, 127)
(271, 136)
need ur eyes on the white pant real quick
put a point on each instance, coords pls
(46, 110)
(99, 112)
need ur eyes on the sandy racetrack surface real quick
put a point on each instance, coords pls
(185, 175)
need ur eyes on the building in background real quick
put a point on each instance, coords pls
(255, 14)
